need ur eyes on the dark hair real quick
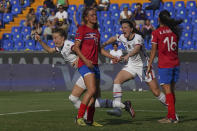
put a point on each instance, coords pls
(165, 18)
(131, 26)
(62, 32)
(85, 13)
(115, 44)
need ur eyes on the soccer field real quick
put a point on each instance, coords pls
(51, 111)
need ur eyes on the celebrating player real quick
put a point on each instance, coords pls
(137, 62)
(165, 38)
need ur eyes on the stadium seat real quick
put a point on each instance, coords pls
(22, 23)
(154, 22)
(115, 15)
(186, 35)
(191, 5)
(113, 7)
(144, 5)
(105, 14)
(108, 22)
(168, 5)
(7, 17)
(188, 27)
(7, 36)
(172, 12)
(192, 13)
(156, 14)
(188, 44)
(149, 14)
(17, 36)
(51, 44)
(123, 5)
(105, 36)
(26, 30)
(133, 6)
(15, 2)
(186, 21)
(26, 3)
(16, 30)
(80, 7)
(8, 45)
(19, 45)
(72, 8)
(108, 29)
(30, 45)
(180, 45)
(181, 13)
(16, 10)
(117, 28)
(39, 47)
(194, 21)
(26, 36)
(179, 5)
(121, 46)
(39, 9)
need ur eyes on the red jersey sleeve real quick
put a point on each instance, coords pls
(79, 34)
(154, 38)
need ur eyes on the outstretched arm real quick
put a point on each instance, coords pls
(44, 45)
(109, 41)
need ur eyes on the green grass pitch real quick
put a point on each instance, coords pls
(51, 111)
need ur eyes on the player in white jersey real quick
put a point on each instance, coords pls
(64, 47)
(137, 62)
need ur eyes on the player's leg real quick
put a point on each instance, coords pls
(166, 78)
(77, 91)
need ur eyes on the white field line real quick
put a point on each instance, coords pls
(24, 112)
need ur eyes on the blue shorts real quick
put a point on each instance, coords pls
(168, 75)
(84, 70)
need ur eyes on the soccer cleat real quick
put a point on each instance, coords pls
(81, 122)
(115, 112)
(96, 124)
(168, 120)
(129, 108)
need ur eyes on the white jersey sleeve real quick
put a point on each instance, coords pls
(66, 52)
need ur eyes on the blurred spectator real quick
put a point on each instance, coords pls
(62, 24)
(89, 3)
(103, 5)
(62, 14)
(115, 52)
(47, 34)
(64, 3)
(30, 18)
(43, 17)
(139, 14)
(125, 14)
(5, 6)
(154, 5)
(52, 17)
(37, 29)
(75, 21)
(49, 5)
(147, 30)
(21, 2)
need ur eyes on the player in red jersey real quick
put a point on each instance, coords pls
(87, 47)
(165, 39)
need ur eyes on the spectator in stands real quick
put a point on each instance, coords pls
(154, 5)
(64, 3)
(5, 6)
(125, 14)
(89, 3)
(47, 34)
(52, 17)
(30, 18)
(103, 5)
(43, 17)
(37, 29)
(147, 30)
(115, 52)
(139, 14)
(49, 5)
(61, 24)
(21, 2)
(75, 21)
(62, 14)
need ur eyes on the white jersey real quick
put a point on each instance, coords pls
(139, 59)
(66, 52)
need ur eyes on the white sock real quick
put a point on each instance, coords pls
(117, 92)
(162, 98)
(118, 104)
(75, 100)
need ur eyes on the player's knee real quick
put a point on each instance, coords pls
(117, 81)
(73, 99)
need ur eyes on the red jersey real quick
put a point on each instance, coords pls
(90, 39)
(167, 47)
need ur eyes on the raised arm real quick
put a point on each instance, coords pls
(44, 45)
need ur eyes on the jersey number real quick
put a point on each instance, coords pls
(171, 44)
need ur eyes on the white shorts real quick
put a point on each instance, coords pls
(80, 82)
(140, 71)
